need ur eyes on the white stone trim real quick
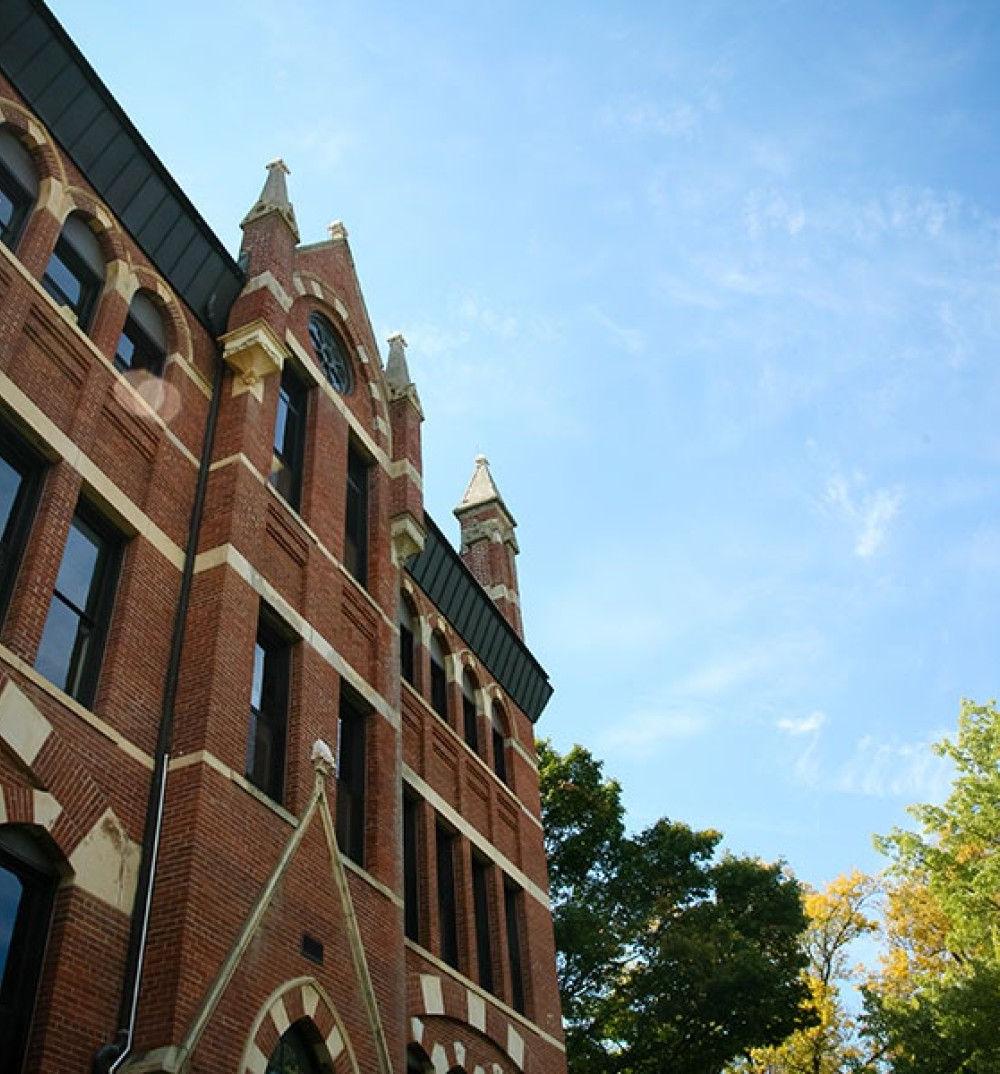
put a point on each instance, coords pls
(89, 471)
(309, 365)
(474, 836)
(493, 1001)
(74, 706)
(269, 282)
(229, 556)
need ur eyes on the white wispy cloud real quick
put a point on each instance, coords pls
(802, 725)
(895, 769)
(869, 514)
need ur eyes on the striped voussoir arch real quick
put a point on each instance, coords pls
(293, 1001)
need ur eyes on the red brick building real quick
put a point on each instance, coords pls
(269, 791)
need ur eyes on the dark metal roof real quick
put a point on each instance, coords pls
(53, 77)
(441, 574)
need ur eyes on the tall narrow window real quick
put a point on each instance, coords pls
(28, 881)
(447, 912)
(411, 879)
(72, 645)
(407, 627)
(439, 680)
(356, 522)
(351, 763)
(143, 342)
(20, 481)
(481, 905)
(265, 767)
(499, 750)
(18, 187)
(75, 271)
(289, 437)
(512, 913)
(470, 714)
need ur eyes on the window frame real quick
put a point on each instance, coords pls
(293, 395)
(357, 510)
(439, 677)
(481, 875)
(407, 640)
(352, 775)
(90, 282)
(99, 608)
(22, 204)
(470, 712)
(271, 712)
(14, 538)
(411, 866)
(445, 842)
(498, 739)
(152, 356)
(513, 898)
(22, 969)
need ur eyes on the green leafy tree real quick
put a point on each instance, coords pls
(934, 1005)
(839, 915)
(671, 957)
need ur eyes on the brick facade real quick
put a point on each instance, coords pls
(243, 877)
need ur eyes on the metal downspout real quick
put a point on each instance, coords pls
(109, 1057)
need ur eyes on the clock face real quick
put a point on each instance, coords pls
(330, 354)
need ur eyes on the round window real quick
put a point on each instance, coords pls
(330, 354)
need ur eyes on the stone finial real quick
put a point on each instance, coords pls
(337, 230)
(481, 488)
(274, 198)
(322, 758)
(396, 370)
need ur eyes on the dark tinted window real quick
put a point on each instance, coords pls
(447, 915)
(351, 775)
(499, 751)
(75, 272)
(142, 344)
(72, 644)
(411, 884)
(512, 913)
(27, 887)
(20, 481)
(481, 905)
(265, 766)
(289, 437)
(356, 521)
(470, 715)
(439, 680)
(18, 187)
(295, 1052)
(407, 625)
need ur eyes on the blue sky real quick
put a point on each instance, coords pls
(717, 289)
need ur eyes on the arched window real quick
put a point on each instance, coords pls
(143, 342)
(18, 187)
(439, 680)
(407, 630)
(331, 354)
(75, 272)
(299, 1051)
(499, 735)
(28, 879)
(417, 1061)
(470, 715)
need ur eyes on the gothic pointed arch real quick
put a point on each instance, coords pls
(304, 1005)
